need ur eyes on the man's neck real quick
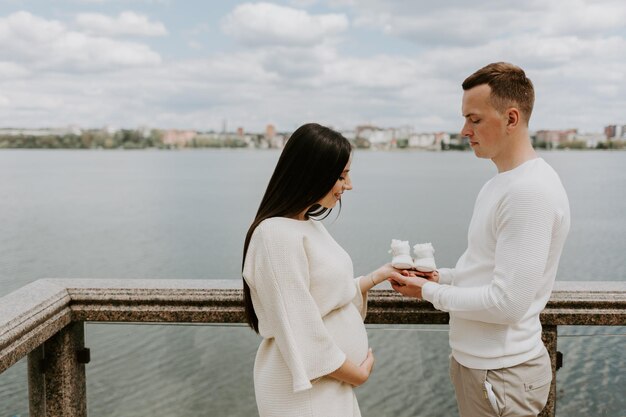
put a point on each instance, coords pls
(519, 151)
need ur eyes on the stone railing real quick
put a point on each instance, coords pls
(45, 321)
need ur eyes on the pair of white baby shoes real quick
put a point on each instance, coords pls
(424, 260)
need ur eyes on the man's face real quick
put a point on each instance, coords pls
(484, 125)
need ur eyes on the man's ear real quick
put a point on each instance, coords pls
(513, 118)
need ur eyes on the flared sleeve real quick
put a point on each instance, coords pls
(277, 269)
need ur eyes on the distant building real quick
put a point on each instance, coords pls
(376, 137)
(178, 138)
(109, 130)
(271, 139)
(277, 141)
(348, 134)
(144, 131)
(591, 140)
(615, 132)
(368, 136)
(53, 131)
(553, 138)
(270, 131)
(428, 140)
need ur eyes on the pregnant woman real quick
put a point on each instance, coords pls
(300, 292)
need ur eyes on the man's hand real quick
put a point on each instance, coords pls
(431, 276)
(410, 284)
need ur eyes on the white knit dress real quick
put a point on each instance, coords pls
(310, 312)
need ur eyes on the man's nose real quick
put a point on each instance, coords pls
(467, 130)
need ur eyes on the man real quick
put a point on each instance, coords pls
(499, 365)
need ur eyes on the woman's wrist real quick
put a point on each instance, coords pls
(370, 276)
(363, 376)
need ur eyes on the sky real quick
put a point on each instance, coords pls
(210, 64)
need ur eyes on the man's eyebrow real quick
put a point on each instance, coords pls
(468, 115)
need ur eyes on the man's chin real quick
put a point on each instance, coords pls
(479, 154)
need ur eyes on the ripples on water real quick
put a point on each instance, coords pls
(184, 214)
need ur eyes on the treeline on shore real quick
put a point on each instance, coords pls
(134, 139)
(125, 139)
(582, 145)
(98, 139)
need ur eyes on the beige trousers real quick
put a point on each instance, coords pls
(518, 391)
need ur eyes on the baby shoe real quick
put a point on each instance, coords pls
(424, 257)
(401, 253)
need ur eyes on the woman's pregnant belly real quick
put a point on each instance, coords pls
(346, 327)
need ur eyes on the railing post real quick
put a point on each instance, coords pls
(36, 384)
(549, 336)
(61, 391)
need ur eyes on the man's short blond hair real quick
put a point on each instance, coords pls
(509, 87)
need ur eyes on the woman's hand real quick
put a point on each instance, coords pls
(367, 365)
(352, 374)
(385, 272)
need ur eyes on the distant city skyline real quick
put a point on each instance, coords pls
(209, 65)
(364, 136)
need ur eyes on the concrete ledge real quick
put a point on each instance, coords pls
(32, 314)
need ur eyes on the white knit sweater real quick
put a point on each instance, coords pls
(310, 311)
(504, 279)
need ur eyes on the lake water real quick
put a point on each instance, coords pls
(183, 215)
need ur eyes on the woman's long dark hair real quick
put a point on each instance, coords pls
(308, 168)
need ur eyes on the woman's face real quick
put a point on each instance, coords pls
(343, 183)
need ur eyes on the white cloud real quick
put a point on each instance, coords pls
(41, 44)
(303, 3)
(582, 17)
(270, 24)
(167, 2)
(381, 72)
(127, 23)
(298, 70)
(10, 70)
(447, 27)
(195, 44)
(459, 23)
(297, 64)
